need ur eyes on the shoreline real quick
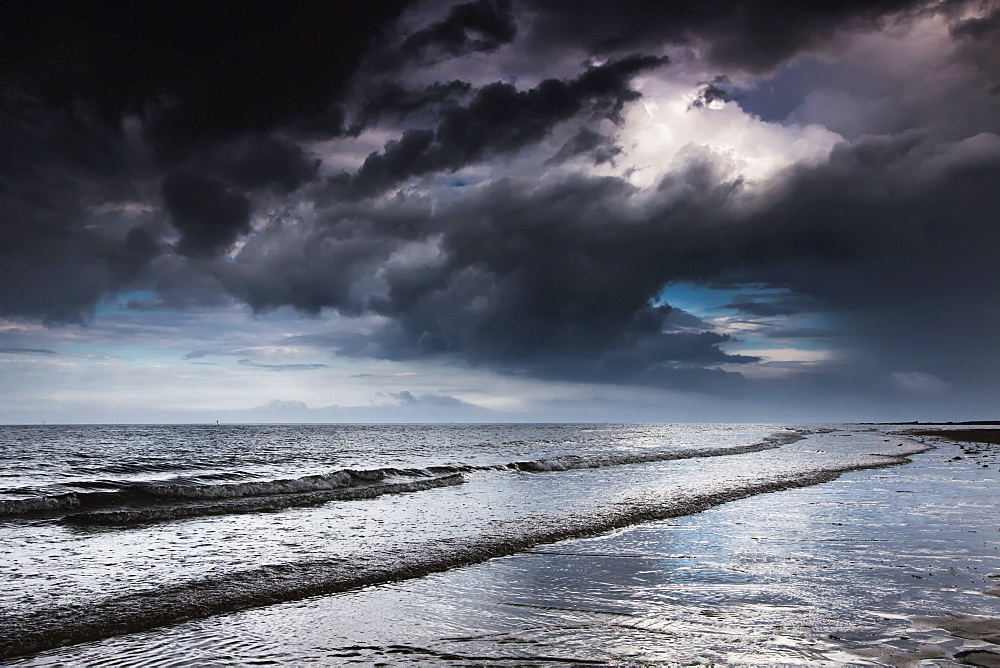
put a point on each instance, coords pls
(484, 562)
(49, 629)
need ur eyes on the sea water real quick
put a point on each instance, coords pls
(116, 530)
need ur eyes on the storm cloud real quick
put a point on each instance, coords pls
(523, 186)
(737, 34)
(499, 119)
(483, 25)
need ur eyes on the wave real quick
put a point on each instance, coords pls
(254, 504)
(267, 585)
(55, 502)
(139, 467)
(570, 462)
(155, 494)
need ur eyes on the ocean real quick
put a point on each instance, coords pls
(490, 544)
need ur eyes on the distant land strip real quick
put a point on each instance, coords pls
(973, 435)
(932, 424)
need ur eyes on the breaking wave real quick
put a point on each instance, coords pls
(254, 504)
(569, 462)
(150, 502)
(154, 493)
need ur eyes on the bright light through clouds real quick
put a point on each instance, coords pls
(546, 212)
(665, 133)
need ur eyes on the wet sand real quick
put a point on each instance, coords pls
(979, 633)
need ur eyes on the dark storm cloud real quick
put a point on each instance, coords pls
(224, 96)
(59, 253)
(210, 88)
(979, 28)
(555, 277)
(979, 38)
(902, 246)
(208, 216)
(483, 26)
(392, 98)
(258, 162)
(679, 361)
(208, 198)
(600, 147)
(552, 283)
(896, 206)
(550, 276)
(202, 71)
(499, 119)
(557, 281)
(742, 35)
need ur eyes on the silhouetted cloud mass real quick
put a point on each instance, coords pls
(738, 34)
(208, 216)
(483, 25)
(527, 187)
(498, 120)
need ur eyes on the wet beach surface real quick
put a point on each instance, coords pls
(833, 573)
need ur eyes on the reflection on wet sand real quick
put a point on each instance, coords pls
(830, 574)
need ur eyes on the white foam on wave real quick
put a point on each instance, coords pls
(255, 504)
(148, 493)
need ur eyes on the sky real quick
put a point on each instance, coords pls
(500, 211)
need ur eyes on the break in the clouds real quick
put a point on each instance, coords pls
(502, 208)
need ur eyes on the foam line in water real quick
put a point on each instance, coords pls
(154, 493)
(255, 504)
(49, 628)
(143, 494)
(570, 462)
(54, 502)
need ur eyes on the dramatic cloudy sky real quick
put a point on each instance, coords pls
(500, 210)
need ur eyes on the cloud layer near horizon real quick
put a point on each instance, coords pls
(524, 187)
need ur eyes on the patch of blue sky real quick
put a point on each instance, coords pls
(705, 301)
(803, 331)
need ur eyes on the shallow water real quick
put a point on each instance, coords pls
(48, 561)
(55, 459)
(767, 578)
